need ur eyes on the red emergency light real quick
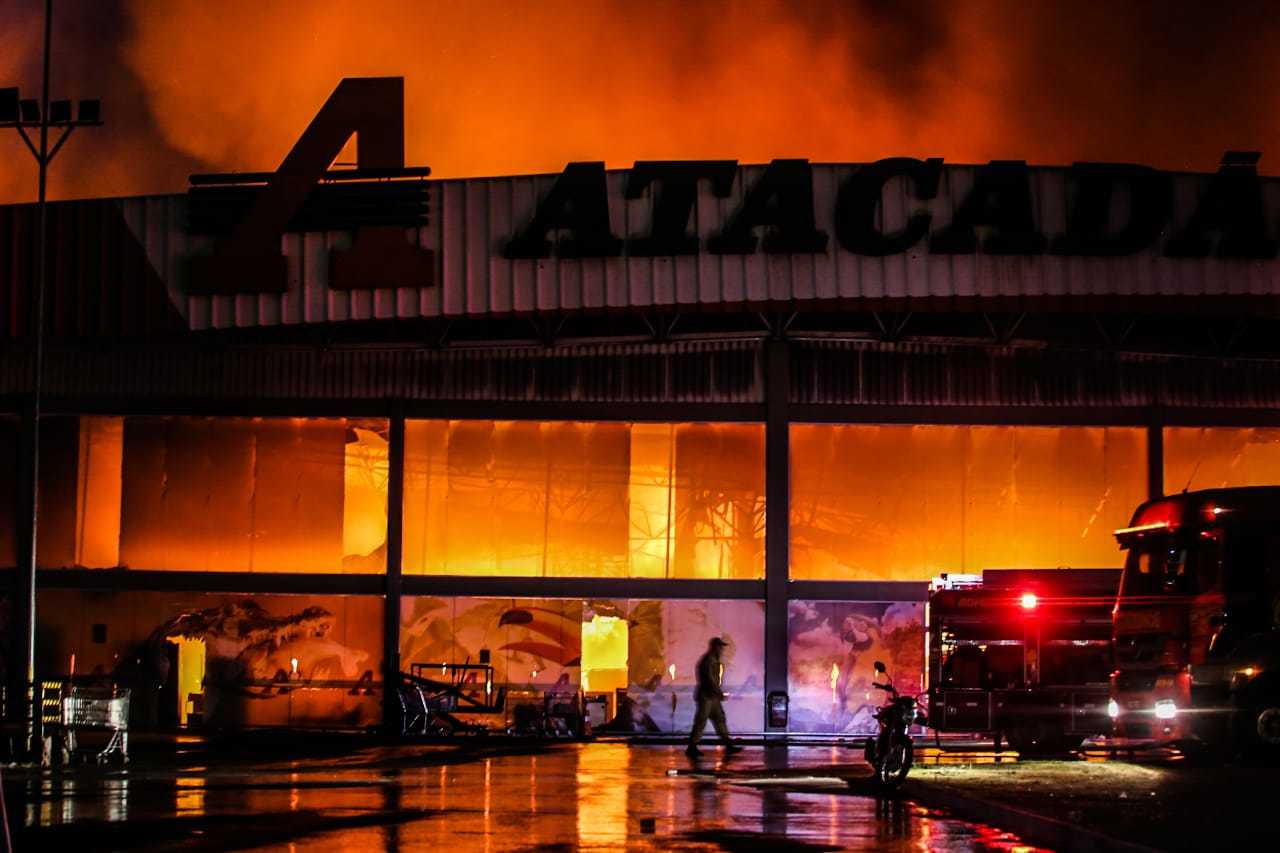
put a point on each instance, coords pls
(1029, 601)
(1214, 512)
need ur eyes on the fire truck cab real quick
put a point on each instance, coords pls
(1022, 655)
(1197, 623)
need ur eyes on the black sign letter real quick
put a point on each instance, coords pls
(860, 197)
(782, 200)
(577, 203)
(1001, 198)
(1090, 230)
(249, 259)
(677, 192)
(1232, 205)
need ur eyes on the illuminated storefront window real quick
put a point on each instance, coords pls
(561, 499)
(216, 494)
(634, 659)
(221, 660)
(1217, 457)
(911, 502)
(832, 648)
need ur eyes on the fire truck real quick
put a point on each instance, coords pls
(1197, 623)
(1022, 656)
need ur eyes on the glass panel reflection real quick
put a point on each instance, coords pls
(562, 499)
(221, 660)
(1218, 457)
(549, 647)
(214, 494)
(911, 502)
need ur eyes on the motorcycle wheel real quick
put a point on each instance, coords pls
(892, 767)
(1260, 741)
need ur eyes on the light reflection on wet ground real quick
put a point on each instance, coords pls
(601, 796)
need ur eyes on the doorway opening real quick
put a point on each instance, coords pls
(604, 660)
(191, 669)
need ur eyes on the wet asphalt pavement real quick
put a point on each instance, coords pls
(495, 797)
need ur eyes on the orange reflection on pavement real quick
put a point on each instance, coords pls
(604, 782)
(189, 796)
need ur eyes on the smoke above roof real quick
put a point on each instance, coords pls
(496, 87)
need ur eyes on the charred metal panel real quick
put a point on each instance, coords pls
(706, 372)
(101, 283)
(824, 373)
(874, 374)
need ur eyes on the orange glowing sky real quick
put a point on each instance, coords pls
(515, 86)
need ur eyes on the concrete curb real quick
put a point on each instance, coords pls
(1035, 828)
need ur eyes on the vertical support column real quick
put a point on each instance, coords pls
(1155, 456)
(24, 600)
(391, 601)
(777, 517)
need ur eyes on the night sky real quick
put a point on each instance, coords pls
(513, 86)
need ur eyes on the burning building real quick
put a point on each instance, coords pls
(301, 431)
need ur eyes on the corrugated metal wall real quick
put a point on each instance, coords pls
(823, 372)
(100, 283)
(858, 372)
(693, 373)
(473, 219)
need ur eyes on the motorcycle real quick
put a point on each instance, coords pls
(890, 753)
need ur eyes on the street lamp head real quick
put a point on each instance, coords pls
(90, 112)
(8, 106)
(60, 112)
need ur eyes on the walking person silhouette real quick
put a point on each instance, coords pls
(710, 696)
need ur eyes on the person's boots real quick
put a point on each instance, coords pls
(692, 751)
(732, 748)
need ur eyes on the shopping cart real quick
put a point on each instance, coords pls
(100, 709)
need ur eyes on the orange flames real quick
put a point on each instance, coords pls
(495, 87)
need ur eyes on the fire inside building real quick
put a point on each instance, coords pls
(305, 433)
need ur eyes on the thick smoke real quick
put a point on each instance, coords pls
(131, 154)
(512, 86)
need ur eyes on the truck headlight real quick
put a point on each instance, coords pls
(1166, 710)
(1113, 709)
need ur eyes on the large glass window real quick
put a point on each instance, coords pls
(635, 660)
(216, 494)
(218, 660)
(566, 499)
(911, 502)
(1217, 457)
(832, 649)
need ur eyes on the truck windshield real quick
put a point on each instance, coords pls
(1169, 565)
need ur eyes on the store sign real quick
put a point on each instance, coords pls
(776, 214)
(247, 258)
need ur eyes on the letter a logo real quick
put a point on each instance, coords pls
(246, 257)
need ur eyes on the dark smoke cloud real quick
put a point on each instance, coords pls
(127, 156)
(901, 46)
(511, 86)
(1172, 81)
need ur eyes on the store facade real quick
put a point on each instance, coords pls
(578, 424)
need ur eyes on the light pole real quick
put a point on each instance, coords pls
(30, 115)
